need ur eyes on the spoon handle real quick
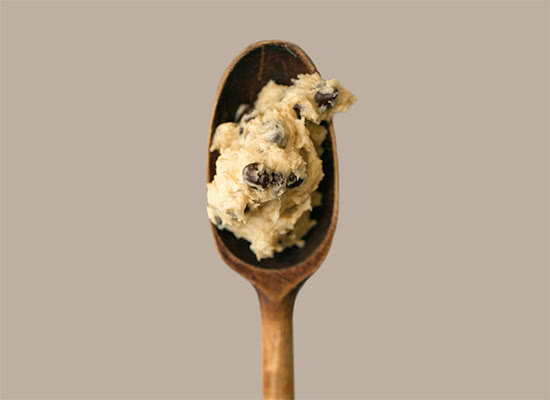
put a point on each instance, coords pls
(277, 352)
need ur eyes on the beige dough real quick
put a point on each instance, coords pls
(269, 167)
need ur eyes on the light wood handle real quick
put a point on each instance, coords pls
(277, 350)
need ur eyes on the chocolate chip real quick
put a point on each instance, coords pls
(274, 132)
(278, 183)
(218, 220)
(264, 180)
(326, 100)
(275, 136)
(246, 209)
(241, 130)
(255, 175)
(277, 179)
(293, 181)
(298, 182)
(298, 109)
(242, 110)
(291, 178)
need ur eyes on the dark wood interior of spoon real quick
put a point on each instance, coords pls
(259, 63)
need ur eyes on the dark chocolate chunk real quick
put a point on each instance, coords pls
(278, 183)
(277, 179)
(291, 178)
(275, 133)
(293, 181)
(326, 100)
(298, 109)
(255, 175)
(264, 180)
(246, 209)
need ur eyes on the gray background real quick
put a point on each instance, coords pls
(436, 286)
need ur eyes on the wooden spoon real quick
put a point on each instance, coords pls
(277, 280)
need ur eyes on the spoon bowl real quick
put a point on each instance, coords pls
(246, 75)
(278, 279)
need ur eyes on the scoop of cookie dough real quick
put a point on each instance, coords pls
(269, 166)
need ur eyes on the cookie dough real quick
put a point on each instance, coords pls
(269, 166)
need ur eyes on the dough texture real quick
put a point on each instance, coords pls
(269, 166)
